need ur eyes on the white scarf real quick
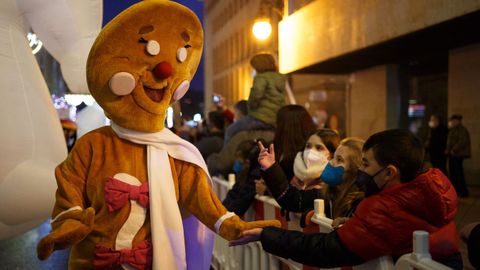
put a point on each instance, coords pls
(307, 175)
(173, 242)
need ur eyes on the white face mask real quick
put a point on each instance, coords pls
(309, 175)
(312, 157)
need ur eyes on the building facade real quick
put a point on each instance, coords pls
(229, 45)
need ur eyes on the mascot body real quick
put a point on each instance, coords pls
(134, 195)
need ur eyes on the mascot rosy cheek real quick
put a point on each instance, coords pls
(135, 195)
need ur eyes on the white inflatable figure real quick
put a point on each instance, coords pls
(31, 139)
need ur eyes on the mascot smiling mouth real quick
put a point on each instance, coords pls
(154, 94)
(157, 92)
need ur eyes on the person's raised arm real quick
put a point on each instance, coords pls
(287, 196)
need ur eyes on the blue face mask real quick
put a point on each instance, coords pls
(332, 176)
(237, 166)
(367, 182)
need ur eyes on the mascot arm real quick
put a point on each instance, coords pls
(197, 196)
(71, 220)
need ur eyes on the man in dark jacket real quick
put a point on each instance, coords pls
(399, 200)
(436, 143)
(458, 148)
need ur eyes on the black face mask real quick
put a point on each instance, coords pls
(366, 182)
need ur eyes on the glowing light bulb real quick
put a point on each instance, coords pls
(262, 29)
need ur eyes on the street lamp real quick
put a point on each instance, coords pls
(262, 28)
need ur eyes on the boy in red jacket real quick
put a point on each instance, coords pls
(399, 200)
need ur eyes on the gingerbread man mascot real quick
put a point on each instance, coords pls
(133, 195)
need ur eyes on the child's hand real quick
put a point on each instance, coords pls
(336, 223)
(318, 185)
(266, 158)
(297, 183)
(247, 237)
(260, 187)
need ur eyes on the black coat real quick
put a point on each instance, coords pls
(326, 250)
(322, 250)
(289, 197)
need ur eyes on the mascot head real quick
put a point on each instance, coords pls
(142, 61)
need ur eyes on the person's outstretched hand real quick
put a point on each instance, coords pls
(247, 237)
(266, 158)
(260, 187)
(339, 221)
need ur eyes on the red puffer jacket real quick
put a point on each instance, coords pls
(383, 223)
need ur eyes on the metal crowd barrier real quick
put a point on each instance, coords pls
(253, 257)
(420, 258)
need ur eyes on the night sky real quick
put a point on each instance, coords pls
(111, 8)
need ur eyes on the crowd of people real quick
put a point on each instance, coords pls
(379, 188)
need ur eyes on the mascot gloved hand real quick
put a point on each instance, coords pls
(133, 194)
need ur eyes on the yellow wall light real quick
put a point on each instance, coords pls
(262, 29)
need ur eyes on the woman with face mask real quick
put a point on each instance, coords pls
(342, 196)
(310, 163)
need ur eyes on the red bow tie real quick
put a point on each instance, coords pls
(139, 257)
(117, 193)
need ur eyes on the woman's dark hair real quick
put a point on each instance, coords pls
(329, 137)
(248, 152)
(399, 148)
(294, 124)
(244, 148)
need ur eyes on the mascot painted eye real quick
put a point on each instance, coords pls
(181, 54)
(153, 47)
(122, 83)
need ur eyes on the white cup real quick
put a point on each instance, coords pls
(231, 178)
(319, 206)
